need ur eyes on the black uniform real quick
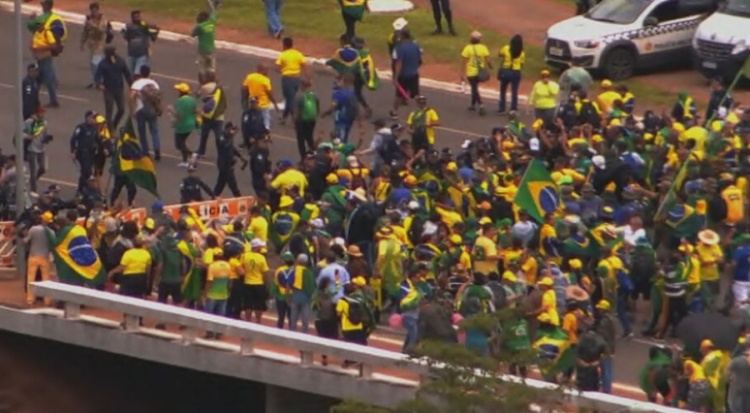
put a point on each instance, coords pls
(192, 188)
(225, 159)
(31, 101)
(260, 165)
(83, 146)
(253, 126)
(90, 197)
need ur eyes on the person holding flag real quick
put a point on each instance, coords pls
(132, 166)
(76, 261)
(537, 193)
(49, 36)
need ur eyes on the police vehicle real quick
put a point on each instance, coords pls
(619, 36)
(722, 42)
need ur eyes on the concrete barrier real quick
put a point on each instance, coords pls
(250, 335)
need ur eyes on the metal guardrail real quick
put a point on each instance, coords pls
(250, 334)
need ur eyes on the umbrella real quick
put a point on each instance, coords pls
(720, 329)
(576, 293)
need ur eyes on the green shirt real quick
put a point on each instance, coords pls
(169, 256)
(185, 109)
(42, 18)
(206, 34)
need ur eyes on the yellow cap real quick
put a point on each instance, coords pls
(410, 180)
(359, 281)
(509, 276)
(575, 264)
(732, 118)
(544, 318)
(705, 344)
(537, 125)
(149, 224)
(332, 179)
(285, 201)
(648, 137)
(47, 217)
(452, 166)
(686, 248)
(615, 122)
(678, 127)
(603, 305)
(544, 72)
(100, 119)
(547, 281)
(189, 221)
(606, 83)
(455, 239)
(182, 87)
(485, 220)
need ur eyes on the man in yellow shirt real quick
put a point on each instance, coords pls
(256, 269)
(422, 123)
(710, 256)
(352, 332)
(289, 178)
(258, 85)
(544, 97)
(258, 224)
(485, 251)
(216, 291)
(291, 66)
(43, 43)
(606, 99)
(549, 301)
(135, 268)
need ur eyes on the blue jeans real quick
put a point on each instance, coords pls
(409, 321)
(289, 88)
(48, 77)
(622, 311)
(300, 308)
(607, 374)
(135, 63)
(273, 18)
(152, 122)
(216, 307)
(510, 78)
(95, 60)
(342, 131)
(266, 113)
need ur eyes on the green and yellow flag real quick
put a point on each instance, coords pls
(671, 196)
(75, 258)
(191, 277)
(537, 194)
(346, 60)
(130, 160)
(369, 72)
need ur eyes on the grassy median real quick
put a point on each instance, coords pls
(321, 19)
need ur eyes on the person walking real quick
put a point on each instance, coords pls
(145, 104)
(258, 85)
(205, 32)
(82, 147)
(512, 59)
(407, 57)
(475, 68)
(302, 290)
(575, 79)
(36, 136)
(30, 86)
(43, 45)
(96, 32)
(305, 108)
(442, 8)
(139, 35)
(544, 97)
(111, 75)
(213, 106)
(422, 123)
(352, 12)
(273, 17)
(291, 66)
(344, 107)
(226, 154)
(38, 240)
(184, 120)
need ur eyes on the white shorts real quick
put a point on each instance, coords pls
(741, 292)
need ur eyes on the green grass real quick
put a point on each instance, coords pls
(316, 19)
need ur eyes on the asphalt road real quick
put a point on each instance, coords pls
(174, 62)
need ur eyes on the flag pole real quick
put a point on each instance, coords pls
(745, 68)
(20, 175)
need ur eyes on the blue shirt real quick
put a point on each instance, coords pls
(329, 271)
(741, 258)
(410, 56)
(346, 106)
(399, 196)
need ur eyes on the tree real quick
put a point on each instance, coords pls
(463, 381)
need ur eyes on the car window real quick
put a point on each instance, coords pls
(618, 11)
(693, 7)
(667, 11)
(739, 8)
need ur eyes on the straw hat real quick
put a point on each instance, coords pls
(708, 237)
(353, 251)
(576, 293)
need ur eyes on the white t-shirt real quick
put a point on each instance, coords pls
(632, 236)
(138, 85)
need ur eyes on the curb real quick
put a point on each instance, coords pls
(390, 6)
(80, 19)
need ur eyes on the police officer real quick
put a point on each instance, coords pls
(90, 195)
(225, 159)
(30, 85)
(51, 201)
(83, 146)
(192, 187)
(260, 166)
(253, 126)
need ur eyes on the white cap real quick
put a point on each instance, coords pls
(317, 223)
(257, 243)
(599, 161)
(721, 113)
(413, 205)
(466, 144)
(338, 241)
(302, 259)
(399, 23)
(429, 228)
(352, 161)
(534, 144)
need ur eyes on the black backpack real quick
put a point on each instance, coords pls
(499, 296)
(326, 308)
(388, 148)
(356, 313)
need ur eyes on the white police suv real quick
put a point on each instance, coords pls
(722, 43)
(619, 36)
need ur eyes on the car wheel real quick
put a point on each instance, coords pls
(619, 64)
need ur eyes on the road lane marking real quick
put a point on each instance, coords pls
(59, 182)
(61, 96)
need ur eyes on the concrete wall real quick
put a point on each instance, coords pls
(280, 373)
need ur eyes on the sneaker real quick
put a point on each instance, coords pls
(393, 114)
(194, 158)
(183, 164)
(627, 335)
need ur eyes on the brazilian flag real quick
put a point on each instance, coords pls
(554, 349)
(369, 72)
(537, 194)
(346, 60)
(75, 258)
(669, 199)
(581, 246)
(131, 161)
(191, 278)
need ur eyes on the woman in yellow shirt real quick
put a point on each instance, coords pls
(476, 63)
(135, 267)
(512, 58)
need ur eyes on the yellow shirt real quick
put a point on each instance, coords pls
(288, 179)
(530, 269)
(508, 62)
(135, 261)
(208, 255)
(342, 309)
(259, 227)
(606, 100)
(476, 55)
(217, 280)
(290, 62)
(486, 267)
(570, 326)
(695, 274)
(430, 117)
(41, 42)
(449, 217)
(544, 95)
(549, 304)
(709, 256)
(259, 86)
(236, 265)
(255, 266)
(694, 371)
